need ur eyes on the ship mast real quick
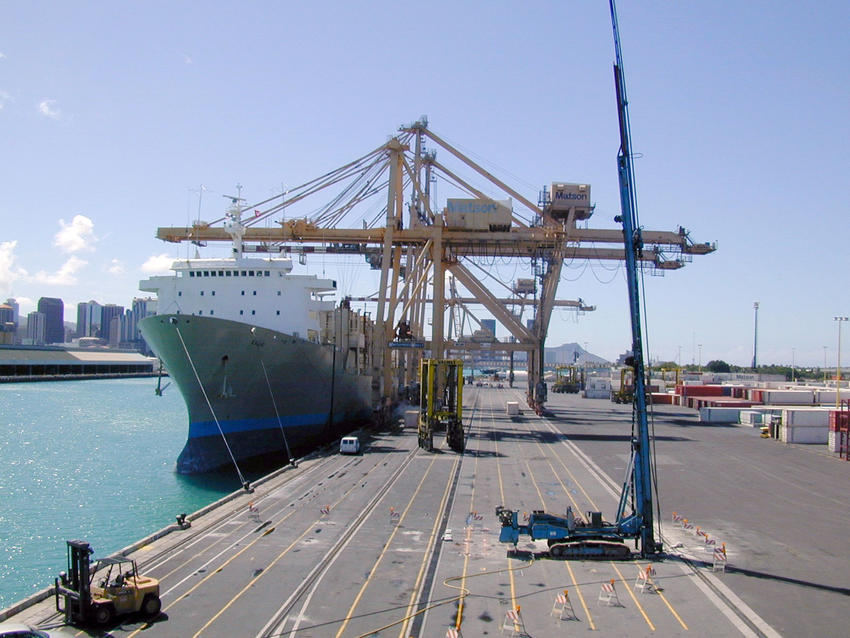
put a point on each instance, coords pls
(233, 221)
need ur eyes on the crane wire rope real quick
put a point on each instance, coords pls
(484, 160)
(209, 404)
(311, 187)
(353, 167)
(276, 413)
(651, 410)
(330, 217)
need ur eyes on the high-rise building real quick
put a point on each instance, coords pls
(54, 313)
(489, 324)
(116, 329)
(36, 328)
(107, 313)
(13, 304)
(7, 314)
(88, 318)
(142, 308)
(7, 325)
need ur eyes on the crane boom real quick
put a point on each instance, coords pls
(641, 453)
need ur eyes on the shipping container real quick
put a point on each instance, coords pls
(788, 397)
(751, 417)
(804, 434)
(719, 415)
(806, 417)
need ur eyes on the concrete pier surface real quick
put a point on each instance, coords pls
(400, 542)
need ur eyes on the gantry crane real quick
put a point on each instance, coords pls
(415, 244)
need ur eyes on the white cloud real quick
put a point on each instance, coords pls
(158, 264)
(5, 98)
(116, 267)
(76, 236)
(48, 109)
(65, 276)
(2, 55)
(187, 59)
(9, 271)
(25, 305)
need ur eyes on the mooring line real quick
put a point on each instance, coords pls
(277, 414)
(215, 418)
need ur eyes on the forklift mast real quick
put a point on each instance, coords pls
(78, 581)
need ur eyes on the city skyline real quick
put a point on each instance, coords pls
(110, 323)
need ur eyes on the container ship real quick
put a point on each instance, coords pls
(265, 364)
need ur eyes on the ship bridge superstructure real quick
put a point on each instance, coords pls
(257, 292)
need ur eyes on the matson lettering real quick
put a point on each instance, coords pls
(471, 207)
(563, 195)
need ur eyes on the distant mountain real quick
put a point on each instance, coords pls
(570, 353)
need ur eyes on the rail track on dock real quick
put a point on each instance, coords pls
(276, 626)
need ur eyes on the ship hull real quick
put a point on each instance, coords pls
(251, 392)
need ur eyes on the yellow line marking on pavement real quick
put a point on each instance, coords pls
(408, 614)
(237, 513)
(576, 508)
(578, 484)
(669, 606)
(580, 597)
(252, 582)
(632, 594)
(536, 486)
(502, 495)
(242, 551)
(459, 618)
(384, 551)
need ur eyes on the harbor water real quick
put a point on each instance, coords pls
(91, 460)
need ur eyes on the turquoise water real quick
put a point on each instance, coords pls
(90, 460)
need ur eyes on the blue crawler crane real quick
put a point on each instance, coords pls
(569, 536)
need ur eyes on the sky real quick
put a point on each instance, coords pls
(112, 115)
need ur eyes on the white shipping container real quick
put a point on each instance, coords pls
(719, 415)
(752, 417)
(804, 434)
(597, 388)
(789, 397)
(832, 442)
(806, 417)
(825, 397)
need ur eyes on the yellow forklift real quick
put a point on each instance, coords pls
(440, 402)
(571, 381)
(98, 592)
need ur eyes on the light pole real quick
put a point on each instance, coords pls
(755, 334)
(824, 365)
(793, 357)
(840, 320)
(700, 357)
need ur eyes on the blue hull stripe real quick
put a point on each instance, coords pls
(200, 429)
